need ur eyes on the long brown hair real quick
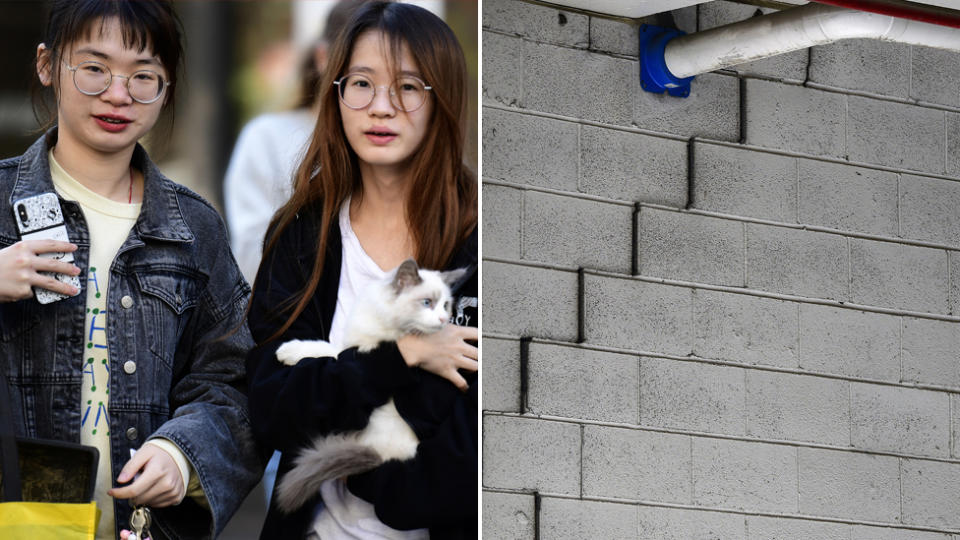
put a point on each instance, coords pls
(441, 205)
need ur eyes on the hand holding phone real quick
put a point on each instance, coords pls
(23, 266)
(42, 259)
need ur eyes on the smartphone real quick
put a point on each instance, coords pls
(40, 217)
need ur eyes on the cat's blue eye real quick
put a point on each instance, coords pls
(427, 302)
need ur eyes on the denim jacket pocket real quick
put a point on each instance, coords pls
(169, 296)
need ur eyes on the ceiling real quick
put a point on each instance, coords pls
(641, 8)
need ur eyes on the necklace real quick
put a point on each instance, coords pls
(130, 191)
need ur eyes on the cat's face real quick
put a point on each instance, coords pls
(422, 298)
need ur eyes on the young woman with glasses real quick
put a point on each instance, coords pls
(139, 360)
(383, 180)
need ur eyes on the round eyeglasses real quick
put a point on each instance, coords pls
(93, 78)
(357, 91)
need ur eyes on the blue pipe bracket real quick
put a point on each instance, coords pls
(654, 75)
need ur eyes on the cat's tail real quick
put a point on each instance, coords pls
(332, 456)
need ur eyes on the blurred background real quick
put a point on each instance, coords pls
(242, 59)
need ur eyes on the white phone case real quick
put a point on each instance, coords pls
(40, 217)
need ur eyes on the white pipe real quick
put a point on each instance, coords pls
(796, 28)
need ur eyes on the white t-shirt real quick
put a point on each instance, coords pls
(344, 515)
(357, 271)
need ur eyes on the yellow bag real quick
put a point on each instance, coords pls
(53, 472)
(48, 521)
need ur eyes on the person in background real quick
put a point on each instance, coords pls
(383, 180)
(145, 360)
(259, 178)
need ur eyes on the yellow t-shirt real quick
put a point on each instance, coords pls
(109, 223)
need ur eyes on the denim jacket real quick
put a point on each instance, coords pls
(175, 294)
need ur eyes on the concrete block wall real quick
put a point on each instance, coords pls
(733, 316)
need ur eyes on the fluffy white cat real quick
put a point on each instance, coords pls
(411, 300)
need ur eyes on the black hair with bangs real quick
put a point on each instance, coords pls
(143, 23)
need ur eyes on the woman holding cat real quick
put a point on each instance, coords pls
(383, 180)
(135, 359)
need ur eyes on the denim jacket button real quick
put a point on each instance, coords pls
(126, 302)
(129, 367)
(132, 434)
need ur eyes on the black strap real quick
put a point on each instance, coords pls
(8, 446)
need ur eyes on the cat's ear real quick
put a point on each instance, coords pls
(452, 276)
(407, 275)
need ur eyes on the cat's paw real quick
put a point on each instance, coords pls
(293, 351)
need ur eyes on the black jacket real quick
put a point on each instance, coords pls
(289, 406)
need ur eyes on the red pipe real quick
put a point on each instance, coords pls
(902, 9)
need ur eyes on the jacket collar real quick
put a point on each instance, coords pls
(160, 215)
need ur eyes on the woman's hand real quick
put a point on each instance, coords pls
(159, 482)
(21, 263)
(442, 353)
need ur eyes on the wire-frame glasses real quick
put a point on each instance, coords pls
(93, 78)
(357, 91)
